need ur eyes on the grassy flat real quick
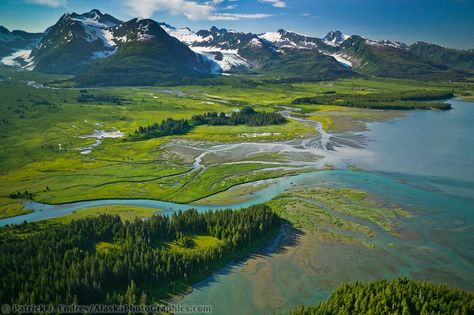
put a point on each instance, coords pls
(126, 213)
(335, 213)
(11, 207)
(200, 242)
(106, 247)
(44, 131)
(233, 195)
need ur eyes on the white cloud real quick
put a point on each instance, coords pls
(190, 9)
(236, 16)
(275, 3)
(49, 3)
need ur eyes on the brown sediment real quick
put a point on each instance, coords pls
(357, 119)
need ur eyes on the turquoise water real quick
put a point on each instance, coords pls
(423, 162)
(436, 144)
(438, 245)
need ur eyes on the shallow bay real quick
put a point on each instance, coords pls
(423, 162)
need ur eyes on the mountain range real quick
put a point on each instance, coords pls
(102, 50)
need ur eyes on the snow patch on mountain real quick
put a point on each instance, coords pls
(226, 59)
(95, 19)
(273, 37)
(94, 33)
(143, 31)
(13, 59)
(382, 43)
(185, 35)
(342, 60)
(222, 60)
(255, 42)
(282, 39)
(92, 22)
(103, 54)
(335, 38)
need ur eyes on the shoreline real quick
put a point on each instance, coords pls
(265, 245)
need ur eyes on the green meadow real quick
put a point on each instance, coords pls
(45, 132)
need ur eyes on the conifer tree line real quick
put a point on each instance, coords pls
(247, 116)
(61, 264)
(393, 100)
(167, 127)
(399, 296)
(84, 97)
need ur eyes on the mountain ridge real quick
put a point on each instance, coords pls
(85, 44)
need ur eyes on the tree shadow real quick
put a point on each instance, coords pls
(288, 236)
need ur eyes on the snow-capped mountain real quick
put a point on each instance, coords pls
(218, 46)
(101, 49)
(80, 43)
(335, 38)
(184, 34)
(73, 40)
(287, 39)
(234, 51)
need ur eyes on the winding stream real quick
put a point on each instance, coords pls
(424, 163)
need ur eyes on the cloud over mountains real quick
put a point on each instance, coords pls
(192, 10)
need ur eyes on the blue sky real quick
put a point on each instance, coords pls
(445, 22)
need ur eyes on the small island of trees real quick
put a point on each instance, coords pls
(247, 116)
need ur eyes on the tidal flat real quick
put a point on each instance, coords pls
(408, 216)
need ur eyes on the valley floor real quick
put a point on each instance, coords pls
(64, 145)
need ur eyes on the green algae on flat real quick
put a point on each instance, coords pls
(331, 212)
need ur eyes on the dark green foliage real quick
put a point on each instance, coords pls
(21, 195)
(305, 65)
(399, 296)
(60, 264)
(395, 62)
(454, 58)
(395, 100)
(247, 116)
(167, 127)
(100, 98)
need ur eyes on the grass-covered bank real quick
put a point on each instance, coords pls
(126, 213)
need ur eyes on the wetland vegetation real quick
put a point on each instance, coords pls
(217, 144)
(50, 166)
